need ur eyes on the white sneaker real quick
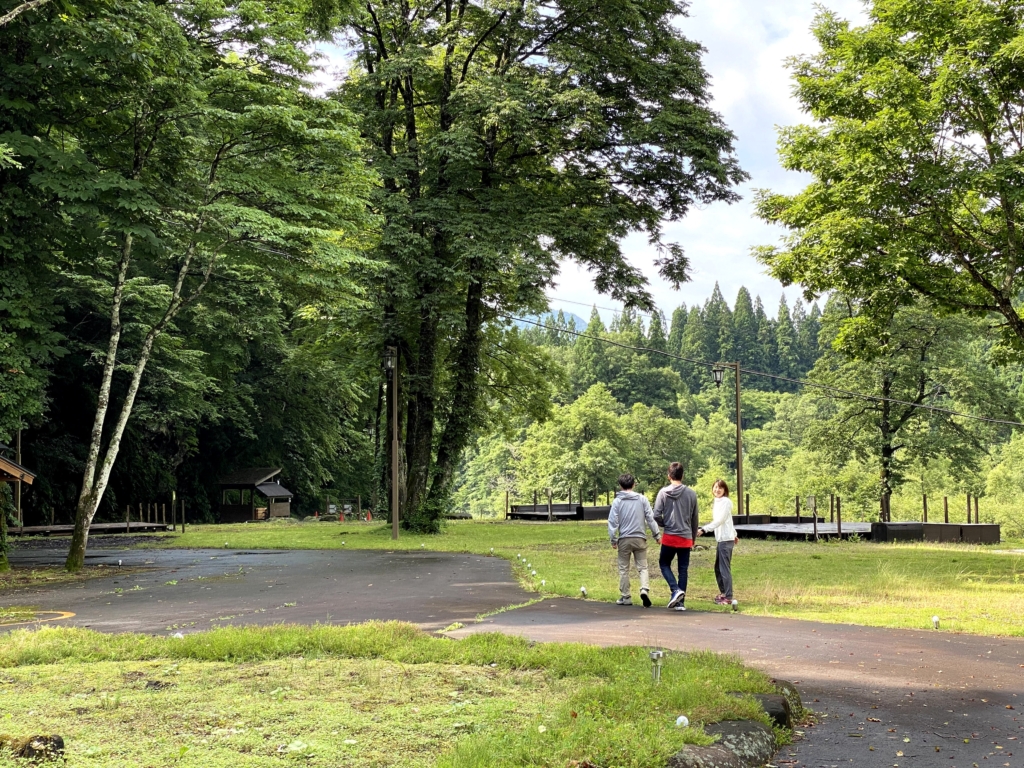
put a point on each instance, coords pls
(624, 601)
(679, 608)
(677, 597)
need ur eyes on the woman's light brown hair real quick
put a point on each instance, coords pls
(720, 483)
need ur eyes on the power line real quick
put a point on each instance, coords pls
(801, 382)
(597, 306)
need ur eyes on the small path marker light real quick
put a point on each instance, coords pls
(656, 657)
(583, 591)
(682, 721)
(735, 605)
(935, 622)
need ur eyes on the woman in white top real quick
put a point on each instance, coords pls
(725, 536)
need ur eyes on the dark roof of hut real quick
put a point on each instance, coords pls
(274, 490)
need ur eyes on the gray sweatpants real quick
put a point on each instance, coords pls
(637, 547)
(723, 567)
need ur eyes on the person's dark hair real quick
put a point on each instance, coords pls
(626, 481)
(675, 471)
(720, 483)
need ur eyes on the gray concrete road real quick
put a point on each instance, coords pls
(220, 587)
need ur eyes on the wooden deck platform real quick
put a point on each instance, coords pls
(95, 528)
(803, 531)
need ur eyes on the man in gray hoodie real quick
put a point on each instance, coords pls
(626, 519)
(676, 506)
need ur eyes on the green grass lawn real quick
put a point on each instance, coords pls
(971, 588)
(378, 694)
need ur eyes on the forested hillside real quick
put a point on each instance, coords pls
(623, 406)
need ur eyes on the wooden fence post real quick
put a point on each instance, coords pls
(746, 505)
(945, 508)
(924, 503)
(506, 505)
(976, 518)
(128, 518)
(968, 508)
(182, 515)
(163, 514)
(831, 508)
(839, 517)
(798, 509)
(550, 515)
(814, 515)
(174, 511)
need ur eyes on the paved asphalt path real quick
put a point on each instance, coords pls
(218, 587)
(939, 699)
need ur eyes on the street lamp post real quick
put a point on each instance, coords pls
(717, 373)
(391, 364)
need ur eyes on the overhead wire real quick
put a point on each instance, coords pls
(752, 372)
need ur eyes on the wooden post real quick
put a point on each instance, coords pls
(798, 510)
(976, 518)
(128, 518)
(174, 510)
(746, 506)
(968, 508)
(506, 504)
(163, 514)
(550, 516)
(182, 515)
(945, 508)
(814, 515)
(924, 507)
(359, 505)
(570, 496)
(831, 507)
(140, 513)
(839, 517)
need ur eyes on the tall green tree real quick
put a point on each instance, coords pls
(787, 353)
(744, 329)
(656, 335)
(589, 361)
(922, 357)
(202, 153)
(508, 142)
(675, 332)
(916, 159)
(696, 346)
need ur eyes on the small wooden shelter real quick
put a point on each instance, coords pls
(242, 492)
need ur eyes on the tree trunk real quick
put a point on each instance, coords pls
(4, 565)
(93, 485)
(459, 425)
(420, 413)
(885, 427)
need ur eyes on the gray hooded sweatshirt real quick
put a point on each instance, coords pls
(627, 516)
(676, 505)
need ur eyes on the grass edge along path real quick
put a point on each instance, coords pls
(972, 589)
(611, 714)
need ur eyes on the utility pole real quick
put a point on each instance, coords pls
(391, 363)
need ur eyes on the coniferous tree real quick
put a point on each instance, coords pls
(767, 359)
(695, 347)
(590, 365)
(808, 339)
(718, 320)
(788, 360)
(675, 333)
(656, 338)
(744, 324)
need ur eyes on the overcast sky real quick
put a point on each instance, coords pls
(747, 43)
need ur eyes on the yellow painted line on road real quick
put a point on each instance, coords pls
(52, 616)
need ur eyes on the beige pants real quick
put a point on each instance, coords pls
(637, 547)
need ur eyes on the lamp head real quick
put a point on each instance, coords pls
(716, 374)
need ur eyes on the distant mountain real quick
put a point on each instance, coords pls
(548, 318)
